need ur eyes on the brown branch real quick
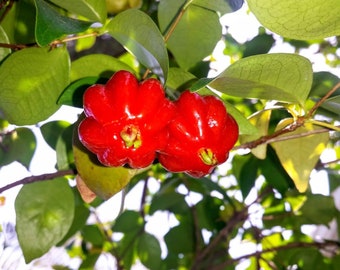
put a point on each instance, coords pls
(17, 46)
(319, 245)
(143, 199)
(264, 139)
(38, 178)
(237, 218)
(7, 9)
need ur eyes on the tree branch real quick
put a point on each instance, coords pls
(37, 178)
(264, 139)
(319, 245)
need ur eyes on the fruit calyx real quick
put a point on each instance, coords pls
(207, 156)
(130, 134)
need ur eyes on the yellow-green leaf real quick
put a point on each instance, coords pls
(303, 19)
(299, 155)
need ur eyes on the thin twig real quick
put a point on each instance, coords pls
(271, 137)
(171, 29)
(37, 178)
(237, 218)
(143, 199)
(8, 7)
(16, 46)
(319, 245)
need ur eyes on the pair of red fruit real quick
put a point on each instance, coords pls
(133, 123)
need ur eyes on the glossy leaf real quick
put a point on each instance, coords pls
(149, 251)
(94, 10)
(3, 39)
(29, 93)
(44, 214)
(197, 26)
(51, 25)
(283, 77)
(139, 35)
(96, 65)
(299, 156)
(18, 145)
(304, 19)
(52, 130)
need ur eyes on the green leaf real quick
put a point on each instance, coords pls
(94, 10)
(304, 19)
(196, 34)
(274, 173)
(170, 201)
(323, 82)
(30, 91)
(81, 214)
(180, 239)
(137, 32)
(179, 80)
(149, 251)
(96, 65)
(248, 175)
(91, 233)
(299, 156)
(260, 44)
(51, 25)
(52, 130)
(128, 222)
(282, 76)
(3, 39)
(332, 104)
(44, 214)
(208, 213)
(18, 145)
(318, 209)
(63, 147)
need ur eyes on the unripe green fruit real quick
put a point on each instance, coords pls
(116, 6)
